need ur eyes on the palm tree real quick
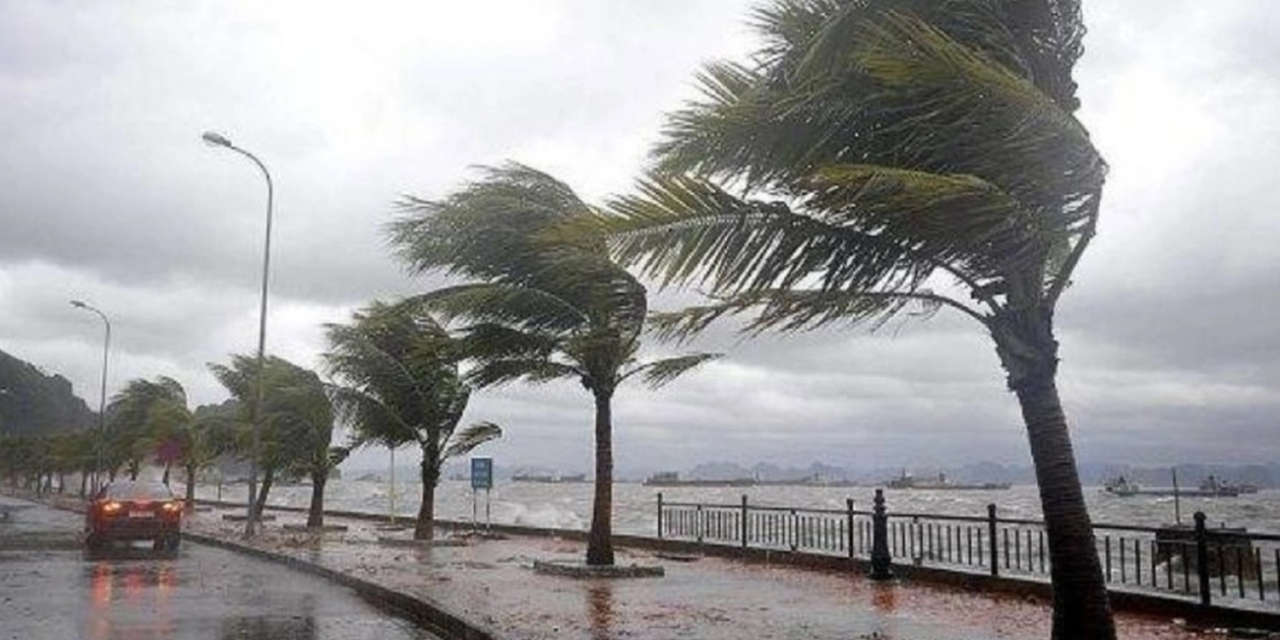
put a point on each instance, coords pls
(209, 434)
(542, 305)
(144, 419)
(400, 370)
(296, 420)
(885, 157)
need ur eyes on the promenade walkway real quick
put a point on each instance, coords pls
(492, 583)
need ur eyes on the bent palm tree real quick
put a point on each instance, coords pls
(402, 386)
(296, 420)
(145, 418)
(915, 150)
(542, 307)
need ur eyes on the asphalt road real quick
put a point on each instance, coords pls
(50, 589)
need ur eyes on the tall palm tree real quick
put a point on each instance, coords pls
(883, 157)
(296, 419)
(401, 386)
(541, 305)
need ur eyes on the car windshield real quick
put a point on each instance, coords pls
(137, 491)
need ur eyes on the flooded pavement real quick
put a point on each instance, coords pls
(708, 598)
(50, 589)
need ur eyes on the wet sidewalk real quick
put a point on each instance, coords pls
(492, 582)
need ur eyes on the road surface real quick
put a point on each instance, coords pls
(49, 589)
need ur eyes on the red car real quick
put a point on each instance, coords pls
(128, 510)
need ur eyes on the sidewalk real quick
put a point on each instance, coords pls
(492, 583)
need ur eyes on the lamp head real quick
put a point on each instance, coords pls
(215, 139)
(78, 304)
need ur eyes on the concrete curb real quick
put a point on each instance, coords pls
(421, 611)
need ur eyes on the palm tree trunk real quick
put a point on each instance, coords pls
(1081, 608)
(425, 527)
(261, 503)
(190, 501)
(315, 514)
(1029, 353)
(600, 543)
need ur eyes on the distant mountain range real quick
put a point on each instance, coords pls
(34, 403)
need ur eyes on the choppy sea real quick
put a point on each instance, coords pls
(568, 505)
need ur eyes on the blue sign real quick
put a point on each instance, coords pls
(482, 473)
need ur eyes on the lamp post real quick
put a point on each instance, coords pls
(102, 394)
(250, 527)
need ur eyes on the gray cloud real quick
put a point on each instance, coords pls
(106, 193)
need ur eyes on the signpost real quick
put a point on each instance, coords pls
(481, 478)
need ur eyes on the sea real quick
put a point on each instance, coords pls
(568, 505)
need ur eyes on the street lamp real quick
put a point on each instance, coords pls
(218, 140)
(102, 397)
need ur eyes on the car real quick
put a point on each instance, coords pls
(128, 511)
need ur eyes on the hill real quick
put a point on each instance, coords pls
(32, 402)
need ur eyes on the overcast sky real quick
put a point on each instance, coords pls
(1169, 343)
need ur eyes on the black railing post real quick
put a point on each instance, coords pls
(881, 562)
(849, 517)
(991, 535)
(1202, 560)
(659, 515)
(744, 522)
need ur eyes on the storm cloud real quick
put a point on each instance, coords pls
(1168, 345)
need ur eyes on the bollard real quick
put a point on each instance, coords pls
(995, 548)
(1202, 559)
(849, 519)
(881, 562)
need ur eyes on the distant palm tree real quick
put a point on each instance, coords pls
(144, 420)
(297, 422)
(541, 306)
(399, 385)
(889, 157)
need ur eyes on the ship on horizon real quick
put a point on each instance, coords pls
(549, 479)
(672, 479)
(942, 483)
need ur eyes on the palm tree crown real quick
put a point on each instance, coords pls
(401, 385)
(542, 304)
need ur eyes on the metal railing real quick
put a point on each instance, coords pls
(1197, 561)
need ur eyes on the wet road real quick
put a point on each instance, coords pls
(49, 589)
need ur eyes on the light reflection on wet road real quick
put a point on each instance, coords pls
(50, 589)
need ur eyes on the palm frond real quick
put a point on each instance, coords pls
(530, 309)
(688, 231)
(798, 310)
(463, 442)
(500, 371)
(954, 106)
(659, 372)
(483, 231)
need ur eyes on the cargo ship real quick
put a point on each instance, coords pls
(672, 479)
(907, 481)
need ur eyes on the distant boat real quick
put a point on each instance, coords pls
(672, 479)
(1210, 487)
(1213, 487)
(548, 479)
(907, 481)
(1121, 486)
